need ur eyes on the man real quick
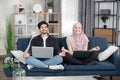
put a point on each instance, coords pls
(44, 39)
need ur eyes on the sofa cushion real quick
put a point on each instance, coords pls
(98, 41)
(107, 53)
(22, 43)
(100, 66)
(43, 70)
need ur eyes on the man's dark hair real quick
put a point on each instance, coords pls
(42, 22)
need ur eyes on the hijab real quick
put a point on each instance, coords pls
(78, 40)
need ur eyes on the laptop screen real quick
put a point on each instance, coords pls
(81, 54)
(42, 52)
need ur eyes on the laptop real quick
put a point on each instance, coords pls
(81, 54)
(42, 52)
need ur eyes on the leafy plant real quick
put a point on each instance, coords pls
(50, 4)
(9, 62)
(104, 18)
(9, 36)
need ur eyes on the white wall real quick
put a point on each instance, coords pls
(69, 10)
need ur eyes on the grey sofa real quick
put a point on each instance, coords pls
(109, 67)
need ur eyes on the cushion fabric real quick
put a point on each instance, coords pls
(107, 53)
(97, 41)
(100, 66)
(22, 43)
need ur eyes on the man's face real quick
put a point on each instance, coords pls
(43, 29)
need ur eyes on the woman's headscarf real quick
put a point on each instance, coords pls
(78, 41)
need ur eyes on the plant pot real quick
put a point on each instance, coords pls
(50, 10)
(104, 26)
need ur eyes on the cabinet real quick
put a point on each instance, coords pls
(108, 33)
(25, 24)
(107, 8)
(110, 9)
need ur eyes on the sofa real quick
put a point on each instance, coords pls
(109, 67)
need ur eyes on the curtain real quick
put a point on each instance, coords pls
(86, 15)
(69, 15)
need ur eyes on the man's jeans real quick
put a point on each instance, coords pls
(42, 64)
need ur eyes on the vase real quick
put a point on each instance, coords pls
(50, 10)
(104, 26)
(18, 74)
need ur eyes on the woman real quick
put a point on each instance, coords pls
(78, 41)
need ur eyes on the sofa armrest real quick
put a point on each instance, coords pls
(8, 71)
(115, 59)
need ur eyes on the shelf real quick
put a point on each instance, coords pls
(108, 15)
(108, 33)
(109, 8)
(104, 1)
(25, 24)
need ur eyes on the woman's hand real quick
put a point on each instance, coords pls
(64, 50)
(96, 48)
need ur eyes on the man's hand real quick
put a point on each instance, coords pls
(25, 55)
(62, 54)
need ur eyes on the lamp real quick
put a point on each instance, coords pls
(105, 11)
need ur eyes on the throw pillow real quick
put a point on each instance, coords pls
(107, 53)
(19, 56)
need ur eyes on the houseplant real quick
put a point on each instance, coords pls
(50, 6)
(104, 18)
(9, 36)
(18, 73)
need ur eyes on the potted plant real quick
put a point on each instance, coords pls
(9, 36)
(104, 19)
(50, 6)
(17, 72)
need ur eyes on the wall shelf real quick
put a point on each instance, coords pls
(25, 24)
(113, 20)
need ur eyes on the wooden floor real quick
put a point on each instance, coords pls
(3, 77)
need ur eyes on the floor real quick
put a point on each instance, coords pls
(3, 77)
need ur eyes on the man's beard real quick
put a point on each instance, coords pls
(44, 32)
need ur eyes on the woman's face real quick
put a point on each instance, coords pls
(77, 29)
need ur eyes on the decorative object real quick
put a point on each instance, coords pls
(31, 18)
(107, 53)
(105, 13)
(20, 8)
(9, 36)
(50, 6)
(37, 8)
(18, 73)
(104, 18)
